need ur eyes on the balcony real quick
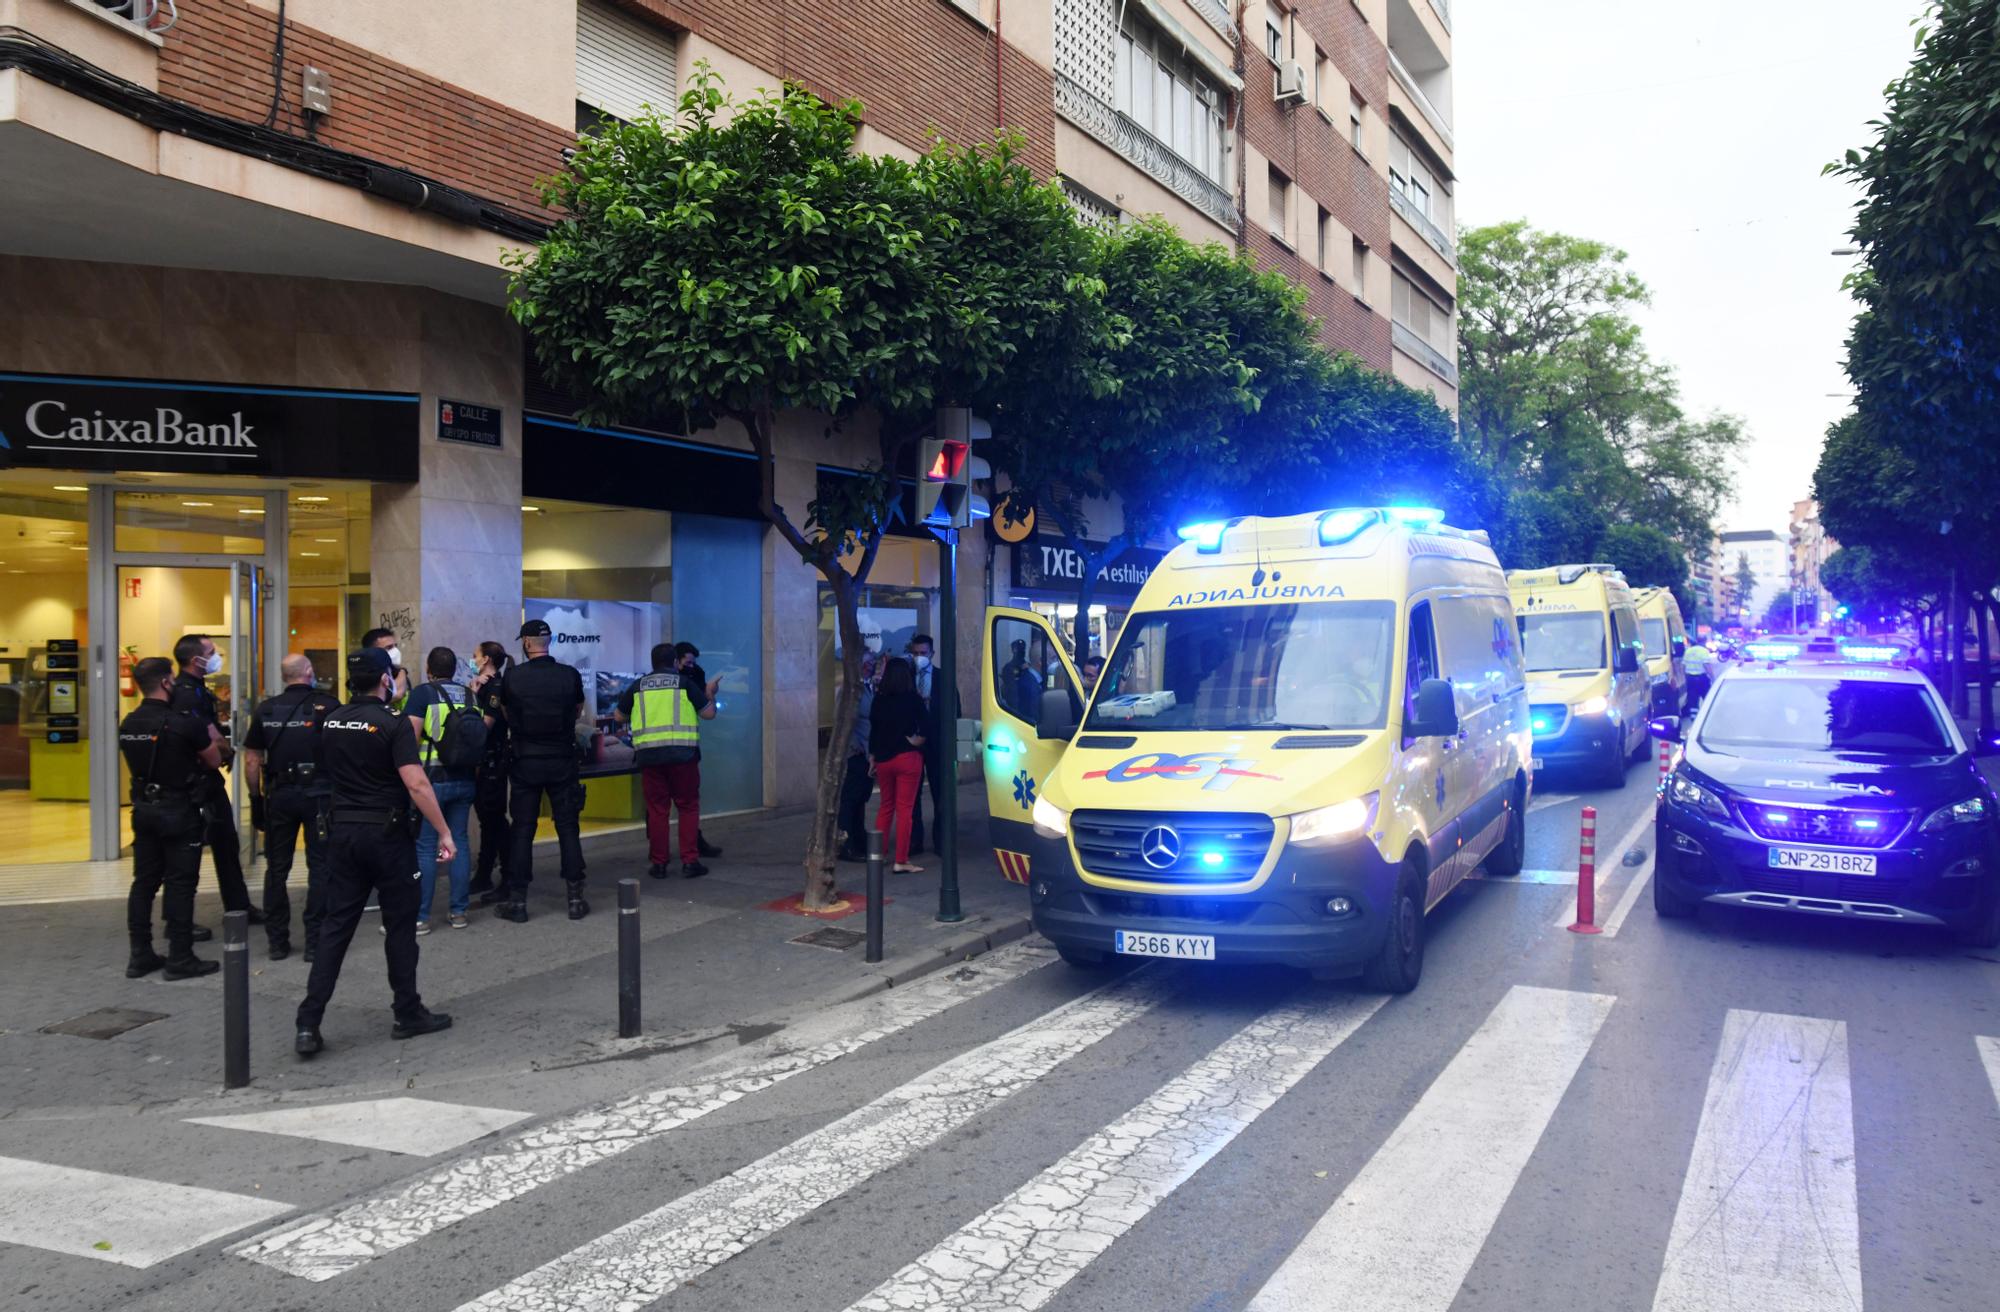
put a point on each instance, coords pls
(1424, 353)
(1216, 15)
(1434, 236)
(1438, 122)
(1157, 159)
(1442, 8)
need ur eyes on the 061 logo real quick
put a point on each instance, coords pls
(1215, 771)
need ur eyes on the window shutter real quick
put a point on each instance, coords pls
(622, 63)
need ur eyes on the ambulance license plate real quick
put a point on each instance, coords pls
(1181, 947)
(1818, 862)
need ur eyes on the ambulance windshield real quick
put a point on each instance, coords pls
(1319, 665)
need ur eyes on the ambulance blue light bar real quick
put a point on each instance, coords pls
(1855, 651)
(1206, 536)
(1338, 526)
(1772, 651)
(1421, 518)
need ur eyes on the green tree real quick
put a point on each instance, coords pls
(1746, 584)
(1563, 404)
(1924, 353)
(1648, 558)
(742, 261)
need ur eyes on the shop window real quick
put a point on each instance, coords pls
(170, 519)
(44, 586)
(326, 561)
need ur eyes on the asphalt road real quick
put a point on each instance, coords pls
(1729, 1113)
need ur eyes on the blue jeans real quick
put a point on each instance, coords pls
(454, 798)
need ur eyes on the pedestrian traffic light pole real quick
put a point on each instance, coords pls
(946, 695)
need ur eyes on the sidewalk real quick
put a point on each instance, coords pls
(531, 997)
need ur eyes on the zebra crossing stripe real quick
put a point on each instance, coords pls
(325, 1245)
(116, 1218)
(1989, 1054)
(646, 1258)
(1021, 1253)
(1768, 1217)
(1403, 1234)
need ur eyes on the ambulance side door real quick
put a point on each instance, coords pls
(1027, 688)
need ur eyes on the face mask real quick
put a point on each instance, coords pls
(923, 664)
(395, 655)
(213, 665)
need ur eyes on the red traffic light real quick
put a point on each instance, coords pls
(948, 462)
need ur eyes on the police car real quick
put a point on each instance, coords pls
(1832, 790)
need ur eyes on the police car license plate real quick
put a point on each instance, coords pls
(1815, 861)
(1184, 947)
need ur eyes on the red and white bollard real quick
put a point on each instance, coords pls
(1666, 760)
(1586, 876)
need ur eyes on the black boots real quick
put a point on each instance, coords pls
(307, 1041)
(657, 870)
(578, 908)
(144, 961)
(514, 911)
(706, 848)
(182, 963)
(424, 1022)
(693, 869)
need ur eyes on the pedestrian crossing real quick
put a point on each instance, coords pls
(1763, 1151)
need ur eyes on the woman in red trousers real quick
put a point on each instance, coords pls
(895, 754)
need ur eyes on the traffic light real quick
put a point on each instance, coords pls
(944, 488)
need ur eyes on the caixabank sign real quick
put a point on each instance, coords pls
(62, 422)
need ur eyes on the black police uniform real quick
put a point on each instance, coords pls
(540, 698)
(286, 729)
(211, 793)
(373, 849)
(489, 797)
(162, 749)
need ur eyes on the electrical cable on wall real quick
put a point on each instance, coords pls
(277, 70)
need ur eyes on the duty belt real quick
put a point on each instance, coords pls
(343, 815)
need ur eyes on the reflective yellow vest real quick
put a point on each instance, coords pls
(434, 718)
(663, 714)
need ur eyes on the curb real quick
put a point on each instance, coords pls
(964, 944)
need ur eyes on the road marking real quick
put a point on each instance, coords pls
(1553, 799)
(646, 1258)
(136, 1222)
(1021, 1253)
(323, 1246)
(416, 1126)
(1640, 879)
(1767, 1216)
(1403, 1234)
(1609, 859)
(1989, 1053)
(1567, 877)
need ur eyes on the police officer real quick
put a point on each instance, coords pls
(197, 657)
(385, 639)
(378, 789)
(287, 795)
(665, 710)
(489, 797)
(540, 699)
(166, 751)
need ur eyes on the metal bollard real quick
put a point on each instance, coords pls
(874, 950)
(235, 999)
(628, 958)
(1586, 876)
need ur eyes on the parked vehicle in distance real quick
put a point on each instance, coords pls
(1587, 688)
(1664, 637)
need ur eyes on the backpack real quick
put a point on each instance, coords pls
(461, 747)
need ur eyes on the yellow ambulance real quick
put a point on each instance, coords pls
(1664, 637)
(1309, 731)
(1587, 686)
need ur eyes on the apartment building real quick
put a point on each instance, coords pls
(1810, 546)
(258, 379)
(1770, 557)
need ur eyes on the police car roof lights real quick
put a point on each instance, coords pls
(1421, 518)
(1338, 526)
(1772, 651)
(1855, 651)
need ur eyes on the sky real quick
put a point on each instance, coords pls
(1692, 135)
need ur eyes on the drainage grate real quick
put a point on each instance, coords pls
(830, 936)
(104, 1023)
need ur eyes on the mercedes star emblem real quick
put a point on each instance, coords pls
(1160, 846)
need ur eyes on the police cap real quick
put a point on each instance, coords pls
(534, 629)
(368, 665)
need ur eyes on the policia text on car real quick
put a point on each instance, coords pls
(167, 751)
(368, 754)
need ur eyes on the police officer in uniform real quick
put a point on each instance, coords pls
(167, 751)
(197, 657)
(369, 756)
(540, 699)
(489, 797)
(665, 710)
(287, 796)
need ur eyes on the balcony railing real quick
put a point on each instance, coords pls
(1442, 8)
(1430, 232)
(149, 15)
(1103, 121)
(1216, 15)
(1423, 102)
(1424, 353)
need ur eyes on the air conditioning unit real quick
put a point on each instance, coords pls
(1291, 82)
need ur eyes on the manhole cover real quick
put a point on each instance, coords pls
(831, 936)
(104, 1023)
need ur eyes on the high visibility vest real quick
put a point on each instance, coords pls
(434, 718)
(663, 714)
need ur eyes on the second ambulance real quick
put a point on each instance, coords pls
(1586, 681)
(1312, 728)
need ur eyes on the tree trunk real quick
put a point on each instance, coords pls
(1954, 638)
(1984, 612)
